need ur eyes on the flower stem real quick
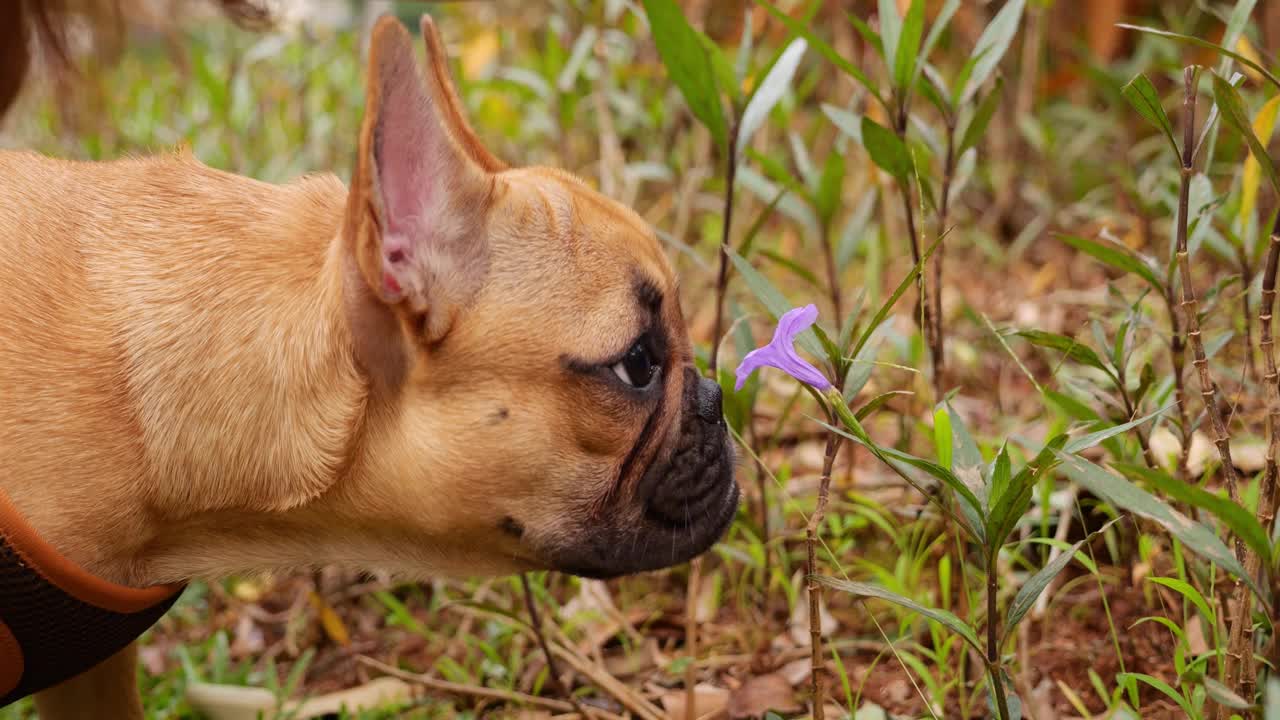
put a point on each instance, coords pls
(993, 640)
(811, 571)
(722, 279)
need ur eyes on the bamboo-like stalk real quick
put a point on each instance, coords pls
(1241, 644)
(1191, 306)
(1190, 314)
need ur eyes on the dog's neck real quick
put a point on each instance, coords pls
(245, 393)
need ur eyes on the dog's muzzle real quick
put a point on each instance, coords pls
(687, 498)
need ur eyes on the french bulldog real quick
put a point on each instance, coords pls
(450, 367)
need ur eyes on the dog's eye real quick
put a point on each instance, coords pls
(637, 368)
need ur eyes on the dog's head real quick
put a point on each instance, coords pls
(534, 398)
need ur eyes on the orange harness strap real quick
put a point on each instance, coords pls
(56, 620)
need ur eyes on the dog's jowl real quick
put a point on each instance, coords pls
(448, 366)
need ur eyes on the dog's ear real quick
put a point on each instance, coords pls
(421, 187)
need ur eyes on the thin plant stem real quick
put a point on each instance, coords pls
(691, 639)
(1178, 356)
(722, 279)
(937, 342)
(817, 660)
(1246, 281)
(993, 638)
(833, 275)
(535, 621)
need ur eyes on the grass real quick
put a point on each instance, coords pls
(1057, 316)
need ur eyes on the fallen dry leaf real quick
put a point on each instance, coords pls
(1196, 644)
(378, 693)
(249, 639)
(330, 621)
(796, 671)
(707, 699)
(870, 711)
(760, 694)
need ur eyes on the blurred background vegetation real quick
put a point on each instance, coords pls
(1057, 311)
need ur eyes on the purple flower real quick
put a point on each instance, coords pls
(781, 353)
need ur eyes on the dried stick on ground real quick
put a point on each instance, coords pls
(461, 690)
(1190, 314)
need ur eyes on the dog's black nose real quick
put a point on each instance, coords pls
(709, 398)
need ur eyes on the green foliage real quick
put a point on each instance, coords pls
(689, 64)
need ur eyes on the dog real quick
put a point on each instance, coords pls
(450, 367)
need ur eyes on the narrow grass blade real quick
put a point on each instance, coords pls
(865, 590)
(1142, 95)
(770, 91)
(1210, 45)
(1036, 584)
(1127, 496)
(1239, 520)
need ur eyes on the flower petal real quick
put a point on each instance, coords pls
(754, 360)
(797, 367)
(780, 353)
(795, 321)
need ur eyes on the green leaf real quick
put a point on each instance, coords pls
(981, 118)
(744, 47)
(884, 310)
(1072, 348)
(934, 90)
(896, 459)
(1014, 502)
(1036, 584)
(1160, 685)
(1001, 482)
(688, 64)
(1188, 592)
(940, 23)
(912, 30)
(825, 50)
(1233, 114)
(1142, 95)
(827, 197)
(967, 454)
(1084, 442)
(942, 437)
(1118, 257)
(877, 402)
(890, 31)
(1224, 696)
(1233, 515)
(772, 299)
(847, 122)
(863, 590)
(1125, 495)
(770, 91)
(1206, 44)
(886, 149)
(992, 44)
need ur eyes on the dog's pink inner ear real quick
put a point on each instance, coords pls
(412, 157)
